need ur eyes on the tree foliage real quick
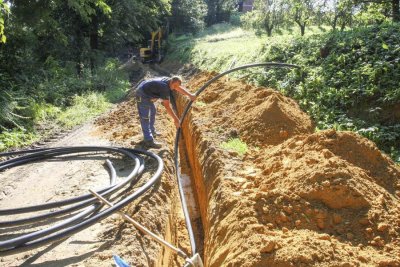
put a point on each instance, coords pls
(4, 10)
(188, 15)
(267, 15)
(218, 10)
(58, 49)
(339, 14)
(302, 11)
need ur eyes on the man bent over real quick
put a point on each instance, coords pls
(150, 91)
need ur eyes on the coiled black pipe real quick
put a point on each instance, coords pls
(178, 134)
(91, 211)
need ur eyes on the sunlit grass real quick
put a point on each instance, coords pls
(83, 108)
(219, 46)
(235, 144)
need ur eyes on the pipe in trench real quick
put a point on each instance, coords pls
(179, 130)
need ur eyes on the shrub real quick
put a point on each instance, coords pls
(236, 145)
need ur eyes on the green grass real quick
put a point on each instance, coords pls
(350, 86)
(235, 144)
(84, 108)
(200, 104)
(81, 108)
(16, 138)
(220, 45)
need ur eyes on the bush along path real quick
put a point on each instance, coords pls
(349, 80)
(56, 100)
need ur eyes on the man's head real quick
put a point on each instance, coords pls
(175, 82)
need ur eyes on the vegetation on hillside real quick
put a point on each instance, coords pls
(59, 58)
(349, 80)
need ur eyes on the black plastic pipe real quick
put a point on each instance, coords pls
(90, 215)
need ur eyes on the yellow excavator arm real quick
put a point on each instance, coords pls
(153, 53)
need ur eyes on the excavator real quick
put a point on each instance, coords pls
(153, 53)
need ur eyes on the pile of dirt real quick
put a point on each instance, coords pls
(300, 199)
(335, 187)
(122, 125)
(261, 116)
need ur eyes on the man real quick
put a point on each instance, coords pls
(150, 91)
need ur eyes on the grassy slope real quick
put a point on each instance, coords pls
(352, 88)
(82, 108)
(217, 47)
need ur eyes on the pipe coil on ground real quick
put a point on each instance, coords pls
(86, 209)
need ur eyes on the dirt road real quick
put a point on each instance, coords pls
(42, 182)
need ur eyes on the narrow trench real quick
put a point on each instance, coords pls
(191, 198)
(187, 177)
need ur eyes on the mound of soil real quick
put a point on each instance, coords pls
(337, 185)
(300, 199)
(261, 116)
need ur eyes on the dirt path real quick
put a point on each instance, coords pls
(158, 209)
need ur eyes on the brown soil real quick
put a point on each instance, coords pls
(261, 116)
(296, 198)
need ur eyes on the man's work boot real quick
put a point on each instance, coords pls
(152, 144)
(155, 133)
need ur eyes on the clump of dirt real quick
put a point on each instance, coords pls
(262, 116)
(300, 199)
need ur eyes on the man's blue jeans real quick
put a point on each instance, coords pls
(147, 114)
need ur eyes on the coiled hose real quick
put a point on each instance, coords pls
(86, 210)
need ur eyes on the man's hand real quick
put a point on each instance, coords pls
(192, 97)
(171, 113)
(176, 121)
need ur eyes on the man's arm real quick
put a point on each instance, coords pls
(171, 112)
(184, 91)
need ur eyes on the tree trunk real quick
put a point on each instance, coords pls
(334, 23)
(302, 29)
(94, 41)
(268, 27)
(302, 26)
(79, 43)
(269, 31)
(342, 26)
(211, 13)
(396, 10)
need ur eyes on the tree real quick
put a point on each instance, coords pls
(395, 5)
(188, 15)
(302, 11)
(341, 14)
(396, 10)
(218, 10)
(131, 22)
(271, 14)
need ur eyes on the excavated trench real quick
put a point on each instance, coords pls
(295, 198)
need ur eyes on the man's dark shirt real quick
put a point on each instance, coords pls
(155, 88)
